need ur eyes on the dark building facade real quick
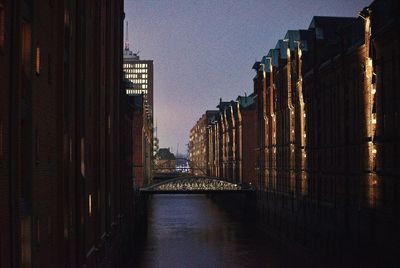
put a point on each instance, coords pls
(65, 175)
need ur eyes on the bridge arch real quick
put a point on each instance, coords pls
(193, 184)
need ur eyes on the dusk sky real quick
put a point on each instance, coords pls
(204, 50)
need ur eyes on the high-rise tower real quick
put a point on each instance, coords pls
(139, 73)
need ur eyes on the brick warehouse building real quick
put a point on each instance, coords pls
(142, 136)
(65, 196)
(327, 181)
(327, 141)
(224, 141)
(198, 144)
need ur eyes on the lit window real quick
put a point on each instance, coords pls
(2, 26)
(90, 204)
(37, 64)
(374, 118)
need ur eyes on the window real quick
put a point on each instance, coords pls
(2, 26)
(90, 205)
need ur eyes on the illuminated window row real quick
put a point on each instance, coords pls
(129, 72)
(135, 92)
(136, 71)
(135, 65)
(131, 76)
(139, 81)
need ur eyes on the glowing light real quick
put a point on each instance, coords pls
(304, 115)
(37, 64)
(369, 62)
(374, 151)
(90, 204)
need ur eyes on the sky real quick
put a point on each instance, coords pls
(203, 50)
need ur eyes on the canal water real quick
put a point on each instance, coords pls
(192, 231)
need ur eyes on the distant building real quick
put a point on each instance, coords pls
(140, 74)
(165, 161)
(198, 144)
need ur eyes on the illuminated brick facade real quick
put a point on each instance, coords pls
(224, 141)
(326, 134)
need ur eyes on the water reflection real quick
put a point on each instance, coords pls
(191, 231)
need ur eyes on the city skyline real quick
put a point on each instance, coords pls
(204, 51)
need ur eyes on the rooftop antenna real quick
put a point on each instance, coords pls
(127, 37)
